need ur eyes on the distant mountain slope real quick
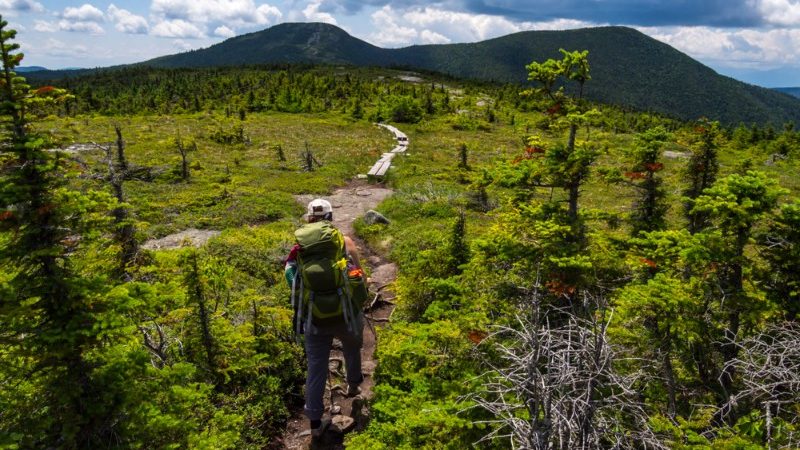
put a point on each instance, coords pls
(284, 43)
(628, 67)
(793, 91)
(22, 69)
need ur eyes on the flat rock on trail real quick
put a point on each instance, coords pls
(349, 203)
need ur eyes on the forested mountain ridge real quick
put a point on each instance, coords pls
(629, 67)
(284, 43)
(793, 91)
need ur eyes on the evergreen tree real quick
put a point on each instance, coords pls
(781, 249)
(650, 207)
(53, 320)
(701, 171)
(734, 205)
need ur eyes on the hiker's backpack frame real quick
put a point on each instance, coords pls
(323, 291)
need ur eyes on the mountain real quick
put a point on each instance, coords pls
(316, 43)
(793, 91)
(24, 69)
(628, 68)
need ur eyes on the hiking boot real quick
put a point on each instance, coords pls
(319, 430)
(353, 390)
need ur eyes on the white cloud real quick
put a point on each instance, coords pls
(461, 27)
(233, 13)
(65, 25)
(45, 26)
(58, 49)
(223, 31)
(177, 28)
(80, 27)
(195, 18)
(780, 12)
(127, 22)
(390, 33)
(85, 19)
(182, 45)
(430, 25)
(432, 37)
(267, 14)
(313, 14)
(85, 13)
(738, 48)
(11, 7)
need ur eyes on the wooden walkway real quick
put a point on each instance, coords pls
(380, 168)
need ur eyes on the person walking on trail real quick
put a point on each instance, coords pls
(328, 290)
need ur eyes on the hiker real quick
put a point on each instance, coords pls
(325, 313)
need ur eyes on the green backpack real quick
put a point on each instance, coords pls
(322, 292)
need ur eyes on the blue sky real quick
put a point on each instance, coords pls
(757, 41)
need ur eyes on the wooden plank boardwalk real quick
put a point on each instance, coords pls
(380, 168)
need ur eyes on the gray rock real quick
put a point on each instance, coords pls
(372, 217)
(342, 424)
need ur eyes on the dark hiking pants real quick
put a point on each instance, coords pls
(318, 350)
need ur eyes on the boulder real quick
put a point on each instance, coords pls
(342, 424)
(372, 217)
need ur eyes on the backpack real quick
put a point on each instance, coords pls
(323, 291)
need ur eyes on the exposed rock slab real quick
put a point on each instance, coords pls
(186, 238)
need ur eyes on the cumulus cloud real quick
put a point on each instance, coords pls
(80, 27)
(738, 48)
(84, 13)
(432, 37)
(127, 22)
(223, 31)
(84, 19)
(204, 13)
(430, 25)
(780, 12)
(313, 13)
(195, 18)
(11, 7)
(182, 45)
(66, 25)
(59, 49)
(177, 28)
(45, 26)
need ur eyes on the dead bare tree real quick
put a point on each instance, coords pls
(309, 160)
(769, 368)
(125, 231)
(555, 386)
(122, 163)
(158, 346)
(184, 149)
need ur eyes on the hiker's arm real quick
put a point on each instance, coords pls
(290, 267)
(352, 250)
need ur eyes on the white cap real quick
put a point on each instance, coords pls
(319, 208)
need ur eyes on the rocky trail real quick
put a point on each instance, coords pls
(350, 414)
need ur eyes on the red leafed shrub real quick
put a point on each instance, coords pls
(635, 175)
(557, 287)
(649, 262)
(5, 215)
(555, 109)
(477, 336)
(654, 167)
(44, 90)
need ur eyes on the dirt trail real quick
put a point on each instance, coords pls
(348, 203)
